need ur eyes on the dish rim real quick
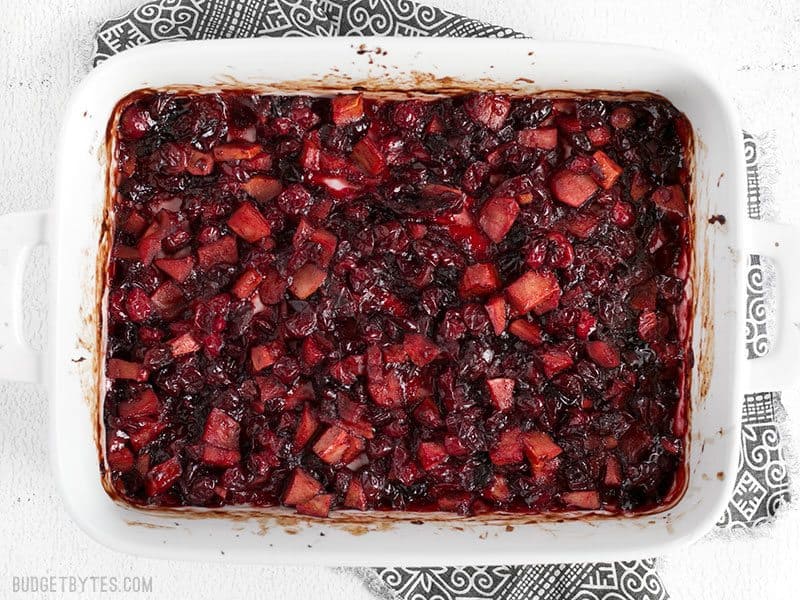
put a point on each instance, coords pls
(229, 512)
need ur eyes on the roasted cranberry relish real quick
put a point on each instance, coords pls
(472, 303)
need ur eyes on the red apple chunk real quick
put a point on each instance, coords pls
(369, 156)
(236, 151)
(177, 268)
(262, 188)
(554, 361)
(332, 445)
(479, 280)
(488, 109)
(265, 355)
(539, 446)
(123, 369)
(222, 251)
(420, 349)
(307, 280)
(526, 331)
(589, 500)
(306, 428)
(608, 170)
(671, 199)
(318, 506)
(301, 488)
(497, 217)
(498, 313)
(184, 344)
(355, 497)
(545, 138)
(535, 290)
(161, 477)
(347, 108)
(603, 354)
(573, 189)
(248, 223)
(501, 392)
(431, 454)
(146, 404)
(508, 449)
(221, 430)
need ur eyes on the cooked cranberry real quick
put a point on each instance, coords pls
(295, 200)
(622, 214)
(175, 241)
(471, 304)
(560, 252)
(137, 305)
(409, 114)
(135, 122)
(157, 357)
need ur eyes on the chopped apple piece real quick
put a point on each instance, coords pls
(535, 290)
(573, 189)
(420, 349)
(369, 156)
(479, 280)
(146, 404)
(355, 496)
(301, 488)
(161, 477)
(332, 445)
(603, 354)
(545, 138)
(318, 506)
(497, 217)
(177, 268)
(608, 170)
(671, 198)
(184, 344)
(248, 223)
(539, 446)
(589, 500)
(117, 368)
(264, 356)
(488, 109)
(262, 188)
(526, 331)
(501, 392)
(307, 280)
(306, 428)
(222, 251)
(498, 313)
(221, 430)
(431, 455)
(554, 361)
(347, 108)
(508, 449)
(236, 151)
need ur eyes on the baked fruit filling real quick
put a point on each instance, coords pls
(471, 304)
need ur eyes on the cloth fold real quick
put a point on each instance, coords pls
(762, 485)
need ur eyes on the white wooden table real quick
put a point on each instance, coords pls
(44, 51)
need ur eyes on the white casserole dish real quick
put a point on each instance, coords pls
(75, 230)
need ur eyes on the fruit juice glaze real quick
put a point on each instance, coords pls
(475, 304)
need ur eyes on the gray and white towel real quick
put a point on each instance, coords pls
(762, 484)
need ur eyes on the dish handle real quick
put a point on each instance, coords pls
(781, 366)
(19, 234)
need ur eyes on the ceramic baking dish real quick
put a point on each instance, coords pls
(76, 231)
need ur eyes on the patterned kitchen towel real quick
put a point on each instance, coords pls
(209, 19)
(762, 482)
